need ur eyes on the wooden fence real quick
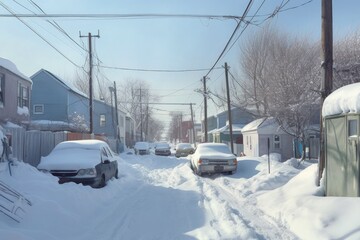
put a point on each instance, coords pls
(29, 146)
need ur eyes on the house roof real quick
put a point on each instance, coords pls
(343, 100)
(67, 83)
(225, 129)
(254, 125)
(7, 64)
(264, 124)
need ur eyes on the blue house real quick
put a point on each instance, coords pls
(220, 129)
(57, 105)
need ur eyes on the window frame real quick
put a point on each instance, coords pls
(277, 143)
(38, 112)
(102, 120)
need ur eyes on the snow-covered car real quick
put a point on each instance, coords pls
(213, 158)
(142, 148)
(184, 149)
(162, 148)
(90, 162)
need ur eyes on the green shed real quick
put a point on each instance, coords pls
(341, 116)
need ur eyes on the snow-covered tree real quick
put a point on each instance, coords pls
(281, 76)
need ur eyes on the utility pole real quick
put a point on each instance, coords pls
(229, 107)
(116, 112)
(89, 36)
(141, 122)
(205, 110)
(193, 125)
(327, 66)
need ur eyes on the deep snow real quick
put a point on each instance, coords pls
(160, 198)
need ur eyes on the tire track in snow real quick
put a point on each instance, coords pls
(263, 226)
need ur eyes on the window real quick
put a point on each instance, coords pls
(2, 89)
(23, 96)
(102, 120)
(352, 128)
(276, 141)
(38, 109)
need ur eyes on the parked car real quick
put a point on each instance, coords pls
(162, 148)
(184, 149)
(90, 162)
(142, 148)
(213, 158)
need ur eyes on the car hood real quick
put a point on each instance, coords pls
(215, 156)
(74, 160)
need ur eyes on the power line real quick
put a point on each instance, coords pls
(157, 70)
(39, 35)
(121, 16)
(232, 36)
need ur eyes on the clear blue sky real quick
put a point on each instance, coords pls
(158, 43)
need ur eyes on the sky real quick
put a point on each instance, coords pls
(160, 198)
(154, 43)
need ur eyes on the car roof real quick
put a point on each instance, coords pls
(88, 144)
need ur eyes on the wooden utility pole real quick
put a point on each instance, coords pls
(116, 112)
(89, 36)
(229, 107)
(141, 121)
(327, 69)
(193, 125)
(205, 111)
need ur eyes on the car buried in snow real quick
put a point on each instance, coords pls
(142, 148)
(90, 162)
(163, 149)
(213, 158)
(184, 149)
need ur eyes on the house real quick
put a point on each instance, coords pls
(219, 130)
(57, 105)
(15, 91)
(262, 132)
(341, 118)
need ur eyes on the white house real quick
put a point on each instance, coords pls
(264, 135)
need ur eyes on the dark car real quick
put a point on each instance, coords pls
(163, 149)
(90, 162)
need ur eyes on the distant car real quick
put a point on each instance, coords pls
(142, 148)
(90, 162)
(163, 149)
(213, 158)
(184, 149)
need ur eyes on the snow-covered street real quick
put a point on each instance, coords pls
(160, 198)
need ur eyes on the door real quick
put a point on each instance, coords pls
(352, 163)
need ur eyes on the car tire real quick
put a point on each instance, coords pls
(117, 174)
(102, 182)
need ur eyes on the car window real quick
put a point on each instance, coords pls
(109, 152)
(104, 153)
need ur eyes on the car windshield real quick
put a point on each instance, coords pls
(142, 145)
(162, 145)
(183, 145)
(209, 148)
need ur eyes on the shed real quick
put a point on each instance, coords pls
(341, 118)
(257, 133)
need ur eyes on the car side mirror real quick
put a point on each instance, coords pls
(106, 161)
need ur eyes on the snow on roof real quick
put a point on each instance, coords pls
(7, 64)
(253, 125)
(225, 129)
(260, 123)
(343, 100)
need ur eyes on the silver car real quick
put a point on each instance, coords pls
(213, 158)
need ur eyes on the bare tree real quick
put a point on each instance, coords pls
(280, 79)
(347, 60)
(134, 97)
